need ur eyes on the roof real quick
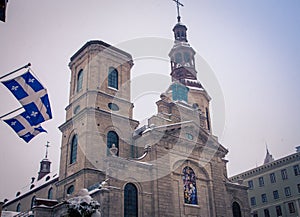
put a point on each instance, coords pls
(32, 187)
(8, 214)
(266, 167)
(98, 42)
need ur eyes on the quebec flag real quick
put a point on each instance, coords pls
(34, 99)
(24, 127)
(32, 95)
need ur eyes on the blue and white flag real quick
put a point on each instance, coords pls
(32, 95)
(23, 126)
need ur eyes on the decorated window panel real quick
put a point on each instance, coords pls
(189, 186)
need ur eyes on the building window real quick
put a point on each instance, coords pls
(70, 190)
(178, 58)
(79, 80)
(32, 202)
(50, 193)
(284, 174)
(189, 185)
(112, 138)
(18, 209)
(130, 201)
(179, 92)
(261, 181)
(267, 213)
(298, 186)
(287, 191)
(253, 201)
(113, 78)
(250, 184)
(255, 214)
(275, 194)
(264, 198)
(77, 109)
(236, 210)
(291, 207)
(73, 151)
(272, 178)
(278, 211)
(296, 170)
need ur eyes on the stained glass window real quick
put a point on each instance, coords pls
(113, 78)
(73, 153)
(189, 185)
(130, 201)
(112, 138)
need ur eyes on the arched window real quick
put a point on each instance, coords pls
(70, 189)
(236, 210)
(73, 151)
(32, 202)
(18, 209)
(130, 201)
(189, 186)
(50, 193)
(112, 138)
(79, 80)
(113, 78)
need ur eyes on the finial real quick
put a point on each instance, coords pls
(47, 146)
(178, 11)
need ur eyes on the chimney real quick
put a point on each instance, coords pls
(32, 181)
(298, 149)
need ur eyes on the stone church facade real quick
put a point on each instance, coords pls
(171, 166)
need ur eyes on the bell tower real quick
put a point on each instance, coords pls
(98, 117)
(185, 85)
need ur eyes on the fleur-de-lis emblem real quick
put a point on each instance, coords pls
(14, 88)
(13, 123)
(34, 114)
(31, 80)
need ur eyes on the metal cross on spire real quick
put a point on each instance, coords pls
(178, 11)
(47, 146)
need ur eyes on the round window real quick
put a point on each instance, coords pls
(113, 106)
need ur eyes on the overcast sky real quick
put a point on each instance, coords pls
(251, 46)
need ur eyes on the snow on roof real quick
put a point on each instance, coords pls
(9, 214)
(34, 185)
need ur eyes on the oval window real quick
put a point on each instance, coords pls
(189, 136)
(113, 106)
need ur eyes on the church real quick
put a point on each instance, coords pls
(113, 166)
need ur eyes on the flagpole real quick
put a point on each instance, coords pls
(11, 112)
(23, 67)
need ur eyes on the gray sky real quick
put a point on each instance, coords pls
(252, 46)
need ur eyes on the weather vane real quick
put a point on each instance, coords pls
(178, 11)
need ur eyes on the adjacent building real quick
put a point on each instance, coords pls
(274, 187)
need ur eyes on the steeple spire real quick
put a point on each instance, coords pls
(45, 164)
(269, 158)
(178, 9)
